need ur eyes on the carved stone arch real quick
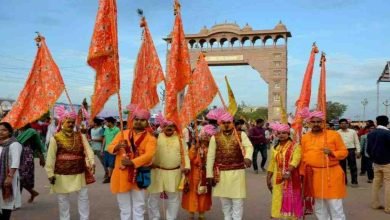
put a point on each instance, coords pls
(212, 42)
(233, 40)
(202, 42)
(267, 39)
(192, 42)
(245, 40)
(257, 41)
(269, 62)
(223, 41)
(279, 40)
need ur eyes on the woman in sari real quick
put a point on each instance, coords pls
(283, 178)
(32, 146)
(198, 198)
(10, 151)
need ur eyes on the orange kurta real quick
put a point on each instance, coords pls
(328, 177)
(191, 201)
(120, 178)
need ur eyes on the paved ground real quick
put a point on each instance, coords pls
(257, 206)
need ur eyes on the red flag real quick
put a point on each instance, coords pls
(201, 92)
(103, 55)
(43, 87)
(304, 98)
(179, 69)
(148, 72)
(321, 101)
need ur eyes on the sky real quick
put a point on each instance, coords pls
(354, 35)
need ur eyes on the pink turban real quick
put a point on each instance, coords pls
(276, 126)
(163, 122)
(307, 114)
(136, 112)
(209, 130)
(63, 114)
(220, 115)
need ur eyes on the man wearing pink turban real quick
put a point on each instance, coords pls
(134, 154)
(169, 164)
(229, 153)
(322, 151)
(68, 158)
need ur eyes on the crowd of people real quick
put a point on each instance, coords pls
(146, 163)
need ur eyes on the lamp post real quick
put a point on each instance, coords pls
(386, 104)
(364, 103)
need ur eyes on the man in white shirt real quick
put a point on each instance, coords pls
(351, 141)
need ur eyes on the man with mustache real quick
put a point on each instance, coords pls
(133, 150)
(322, 151)
(229, 153)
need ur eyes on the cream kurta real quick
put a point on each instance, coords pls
(232, 183)
(167, 156)
(67, 183)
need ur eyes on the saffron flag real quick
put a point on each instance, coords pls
(103, 55)
(304, 98)
(232, 108)
(321, 100)
(43, 87)
(148, 72)
(178, 70)
(201, 92)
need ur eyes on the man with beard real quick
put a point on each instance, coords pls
(134, 149)
(170, 161)
(68, 158)
(229, 153)
(322, 151)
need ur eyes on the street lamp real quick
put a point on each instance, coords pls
(386, 104)
(364, 103)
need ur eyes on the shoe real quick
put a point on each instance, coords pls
(354, 185)
(362, 174)
(263, 169)
(369, 181)
(106, 180)
(379, 207)
(256, 171)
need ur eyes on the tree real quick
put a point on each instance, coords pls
(253, 114)
(334, 110)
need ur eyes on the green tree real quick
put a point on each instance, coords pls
(334, 110)
(252, 114)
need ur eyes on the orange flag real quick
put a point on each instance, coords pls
(103, 55)
(304, 98)
(43, 87)
(201, 92)
(321, 101)
(179, 69)
(148, 72)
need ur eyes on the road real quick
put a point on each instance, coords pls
(103, 204)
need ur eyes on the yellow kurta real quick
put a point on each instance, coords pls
(232, 183)
(67, 183)
(277, 188)
(167, 156)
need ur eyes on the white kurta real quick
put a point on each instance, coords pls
(67, 183)
(15, 151)
(167, 156)
(232, 183)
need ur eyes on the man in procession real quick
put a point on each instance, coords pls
(170, 161)
(228, 155)
(322, 151)
(134, 148)
(69, 164)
